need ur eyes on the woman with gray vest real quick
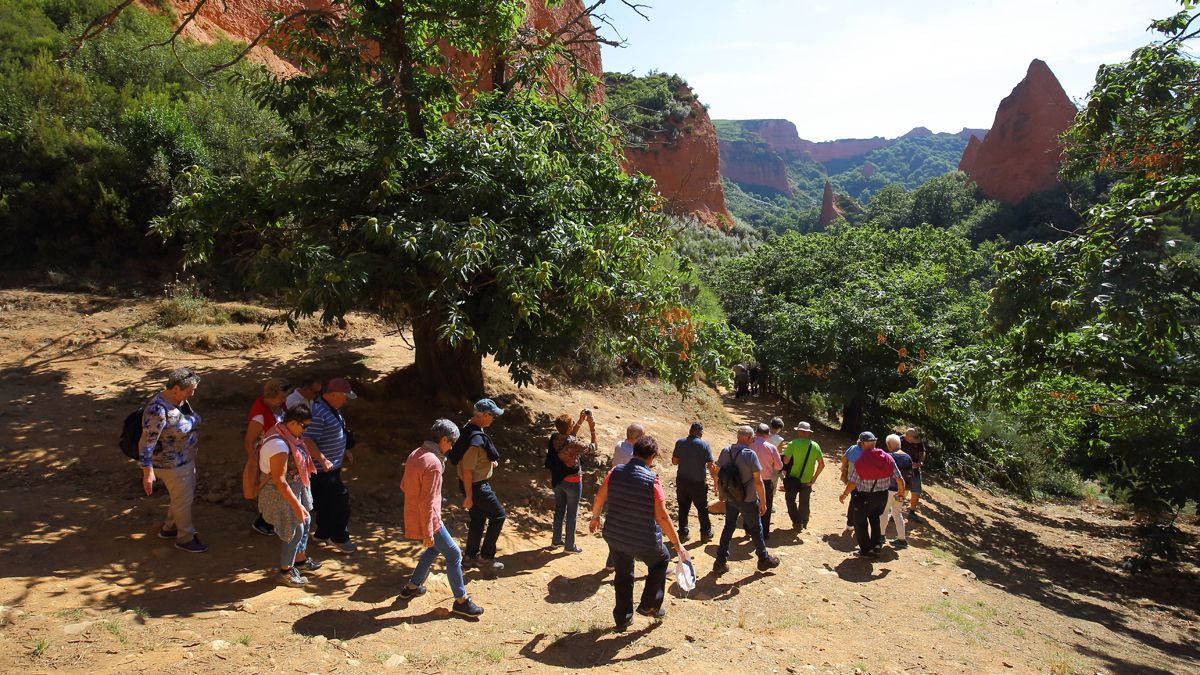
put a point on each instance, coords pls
(637, 518)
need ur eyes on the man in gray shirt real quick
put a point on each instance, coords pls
(750, 509)
(694, 458)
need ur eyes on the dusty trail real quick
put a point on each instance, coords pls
(988, 585)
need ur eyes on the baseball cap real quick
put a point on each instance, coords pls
(866, 436)
(339, 385)
(487, 405)
(804, 426)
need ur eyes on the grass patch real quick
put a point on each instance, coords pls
(243, 639)
(942, 554)
(969, 618)
(73, 614)
(112, 627)
(141, 613)
(37, 649)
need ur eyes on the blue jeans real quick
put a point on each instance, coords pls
(298, 543)
(444, 544)
(751, 521)
(566, 504)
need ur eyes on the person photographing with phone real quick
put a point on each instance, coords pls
(564, 459)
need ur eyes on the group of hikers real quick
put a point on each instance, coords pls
(297, 442)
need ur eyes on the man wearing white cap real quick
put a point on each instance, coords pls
(802, 465)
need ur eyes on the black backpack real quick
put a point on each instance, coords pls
(729, 478)
(131, 433)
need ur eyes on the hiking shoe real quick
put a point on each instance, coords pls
(720, 567)
(900, 543)
(706, 535)
(683, 535)
(768, 563)
(308, 565)
(291, 577)
(469, 562)
(408, 592)
(263, 527)
(572, 549)
(344, 547)
(656, 614)
(490, 564)
(164, 533)
(623, 624)
(193, 546)
(865, 554)
(467, 608)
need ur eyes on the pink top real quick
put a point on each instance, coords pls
(422, 486)
(768, 456)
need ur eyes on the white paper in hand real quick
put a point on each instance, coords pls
(685, 576)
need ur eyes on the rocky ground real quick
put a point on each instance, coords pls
(989, 584)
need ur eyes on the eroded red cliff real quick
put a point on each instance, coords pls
(685, 163)
(970, 154)
(1021, 153)
(755, 165)
(829, 210)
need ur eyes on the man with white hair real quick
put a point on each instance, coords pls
(750, 507)
(623, 452)
(895, 502)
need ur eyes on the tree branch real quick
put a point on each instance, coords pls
(187, 19)
(97, 26)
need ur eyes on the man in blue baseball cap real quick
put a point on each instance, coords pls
(476, 457)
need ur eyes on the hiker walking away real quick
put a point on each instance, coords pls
(741, 485)
(848, 458)
(422, 487)
(285, 495)
(741, 380)
(870, 475)
(912, 446)
(305, 392)
(623, 451)
(637, 518)
(477, 458)
(564, 459)
(771, 463)
(694, 458)
(329, 436)
(167, 450)
(755, 370)
(265, 413)
(803, 464)
(895, 502)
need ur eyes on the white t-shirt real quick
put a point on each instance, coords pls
(270, 448)
(775, 440)
(296, 398)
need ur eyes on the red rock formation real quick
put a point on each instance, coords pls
(829, 210)
(687, 169)
(1021, 153)
(754, 164)
(785, 141)
(918, 132)
(781, 135)
(970, 154)
(868, 169)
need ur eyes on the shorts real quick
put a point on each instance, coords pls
(915, 485)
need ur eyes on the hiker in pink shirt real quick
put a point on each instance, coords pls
(772, 464)
(422, 486)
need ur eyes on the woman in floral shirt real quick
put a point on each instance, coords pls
(168, 451)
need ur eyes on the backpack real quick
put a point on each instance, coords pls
(729, 479)
(131, 433)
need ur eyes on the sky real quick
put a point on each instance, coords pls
(859, 68)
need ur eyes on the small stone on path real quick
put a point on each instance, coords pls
(395, 661)
(306, 601)
(218, 645)
(77, 628)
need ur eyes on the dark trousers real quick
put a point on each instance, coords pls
(331, 506)
(656, 580)
(870, 506)
(769, 489)
(748, 511)
(485, 509)
(692, 493)
(798, 497)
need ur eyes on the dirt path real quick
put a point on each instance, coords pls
(989, 584)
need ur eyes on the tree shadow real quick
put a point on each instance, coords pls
(594, 648)
(574, 589)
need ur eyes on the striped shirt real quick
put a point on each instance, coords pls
(327, 432)
(875, 485)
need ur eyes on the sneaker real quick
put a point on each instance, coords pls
(768, 563)
(193, 546)
(467, 608)
(571, 549)
(656, 614)
(345, 547)
(408, 592)
(291, 577)
(622, 625)
(865, 554)
(683, 535)
(900, 543)
(555, 544)
(263, 527)
(720, 567)
(490, 564)
(469, 562)
(164, 533)
(706, 535)
(309, 565)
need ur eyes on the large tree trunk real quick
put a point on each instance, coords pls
(453, 375)
(852, 414)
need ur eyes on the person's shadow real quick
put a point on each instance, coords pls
(347, 624)
(589, 649)
(859, 571)
(574, 589)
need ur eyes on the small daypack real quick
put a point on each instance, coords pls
(131, 433)
(729, 479)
